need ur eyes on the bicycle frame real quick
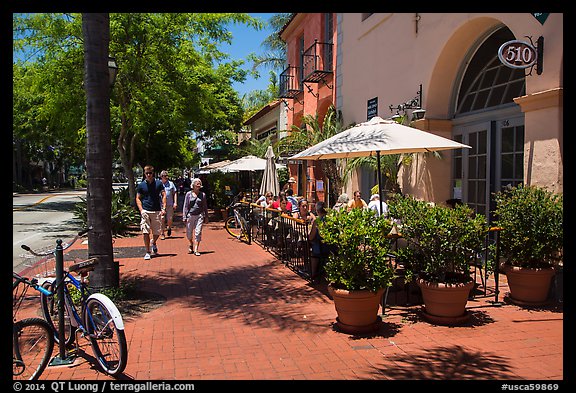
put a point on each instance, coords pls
(85, 294)
(241, 222)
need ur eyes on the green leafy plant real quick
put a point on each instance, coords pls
(123, 214)
(361, 259)
(532, 225)
(218, 181)
(441, 241)
(126, 290)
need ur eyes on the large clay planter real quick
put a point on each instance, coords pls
(357, 310)
(528, 286)
(445, 303)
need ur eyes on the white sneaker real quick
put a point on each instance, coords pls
(147, 256)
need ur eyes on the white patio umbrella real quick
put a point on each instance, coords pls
(270, 177)
(377, 136)
(212, 167)
(247, 163)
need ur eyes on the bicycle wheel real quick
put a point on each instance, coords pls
(235, 229)
(107, 338)
(50, 311)
(32, 345)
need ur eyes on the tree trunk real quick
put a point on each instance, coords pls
(335, 185)
(96, 32)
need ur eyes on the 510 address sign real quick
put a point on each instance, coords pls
(517, 54)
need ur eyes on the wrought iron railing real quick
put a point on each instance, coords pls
(290, 83)
(287, 238)
(317, 61)
(284, 236)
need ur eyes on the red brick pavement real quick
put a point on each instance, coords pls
(237, 313)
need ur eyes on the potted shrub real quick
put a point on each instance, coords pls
(531, 240)
(359, 270)
(441, 242)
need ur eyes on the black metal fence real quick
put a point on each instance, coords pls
(287, 238)
(284, 236)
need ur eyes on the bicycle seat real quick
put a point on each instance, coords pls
(84, 267)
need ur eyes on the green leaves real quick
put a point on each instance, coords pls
(532, 222)
(442, 242)
(173, 77)
(361, 260)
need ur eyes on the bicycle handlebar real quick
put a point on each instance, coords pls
(64, 247)
(32, 283)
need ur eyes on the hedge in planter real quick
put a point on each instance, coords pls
(531, 240)
(360, 262)
(441, 244)
(359, 270)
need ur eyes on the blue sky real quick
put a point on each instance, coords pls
(245, 41)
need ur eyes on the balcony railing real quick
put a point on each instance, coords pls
(290, 84)
(317, 61)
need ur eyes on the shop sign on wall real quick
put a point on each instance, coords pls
(372, 108)
(541, 16)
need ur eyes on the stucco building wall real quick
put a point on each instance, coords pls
(388, 55)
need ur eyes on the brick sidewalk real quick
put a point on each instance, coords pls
(237, 313)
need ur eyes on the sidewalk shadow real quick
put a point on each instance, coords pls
(255, 295)
(445, 363)
(96, 367)
(551, 306)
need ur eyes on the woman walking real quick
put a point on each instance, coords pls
(195, 214)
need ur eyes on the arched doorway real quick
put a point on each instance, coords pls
(486, 118)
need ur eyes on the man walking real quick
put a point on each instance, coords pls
(151, 201)
(171, 204)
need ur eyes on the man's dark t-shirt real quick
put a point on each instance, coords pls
(151, 196)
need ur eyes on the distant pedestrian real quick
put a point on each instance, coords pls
(374, 204)
(151, 201)
(195, 215)
(292, 199)
(342, 202)
(288, 184)
(171, 204)
(319, 250)
(357, 202)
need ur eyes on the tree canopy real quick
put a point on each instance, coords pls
(173, 82)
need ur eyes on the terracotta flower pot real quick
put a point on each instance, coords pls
(528, 286)
(357, 310)
(445, 303)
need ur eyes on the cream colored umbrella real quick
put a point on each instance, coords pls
(212, 167)
(247, 163)
(375, 137)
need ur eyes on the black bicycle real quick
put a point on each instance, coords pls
(32, 338)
